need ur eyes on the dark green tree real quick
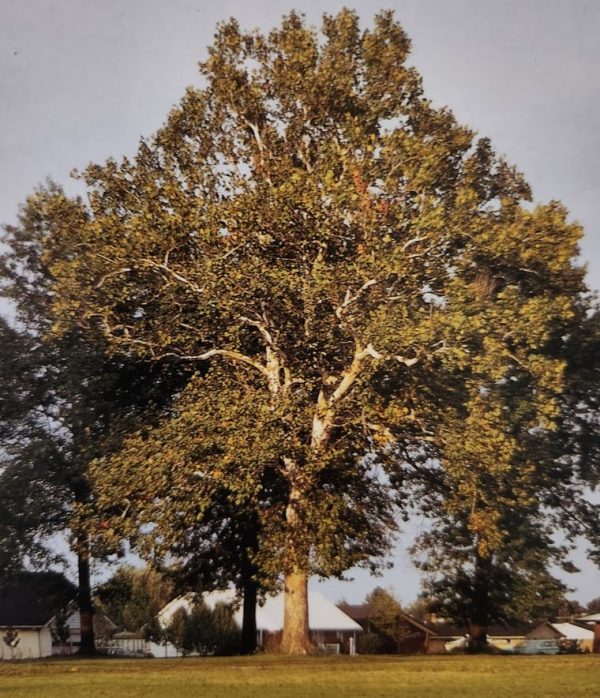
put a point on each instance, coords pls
(72, 403)
(205, 631)
(510, 476)
(30, 500)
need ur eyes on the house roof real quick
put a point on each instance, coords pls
(322, 614)
(364, 612)
(571, 631)
(591, 618)
(357, 611)
(32, 599)
(127, 635)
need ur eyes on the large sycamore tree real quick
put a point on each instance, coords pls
(307, 217)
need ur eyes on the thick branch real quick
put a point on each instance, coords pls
(227, 353)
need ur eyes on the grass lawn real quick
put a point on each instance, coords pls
(567, 676)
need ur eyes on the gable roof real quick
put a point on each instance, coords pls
(357, 611)
(364, 612)
(322, 614)
(571, 631)
(31, 600)
(591, 618)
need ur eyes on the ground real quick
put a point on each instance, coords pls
(309, 677)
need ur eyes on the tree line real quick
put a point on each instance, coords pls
(310, 307)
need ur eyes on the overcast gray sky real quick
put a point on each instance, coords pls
(82, 80)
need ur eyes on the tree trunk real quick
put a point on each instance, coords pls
(84, 598)
(249, 586)
(477, 637)
(295, 638)
(478, 623)
(249, 617)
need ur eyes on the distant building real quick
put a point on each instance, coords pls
(412, 636)
(104, 629)
(330, 628)
(32, 604)
(28, 604)
(562, 633)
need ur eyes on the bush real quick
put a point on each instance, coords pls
(570, 647)
(369, 643)
(204, 631)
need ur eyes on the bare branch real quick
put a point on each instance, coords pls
(413, 241)
(349, 298)
(406, 361)
(118, 272)
(110, 332)
(168, 270)
(349, 377)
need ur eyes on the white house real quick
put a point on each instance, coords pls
(26, 618)
(328, 624)
(34, 603)
(104, 628)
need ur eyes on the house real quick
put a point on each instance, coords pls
(411, 636)
(330, 627)
(562, 633)
(28, 604)
(33, 605)
(104, 629)
(590, 618)
(499, 635)
(418, 637)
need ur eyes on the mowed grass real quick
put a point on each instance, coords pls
(566, 676)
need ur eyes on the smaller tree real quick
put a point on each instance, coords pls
(386, 619)
(387, 630)
(60, 628)
(11, 639)
(133, 597)
(153, 631)
(594, 605)
(205, 631)
(226, 631)
(175, 632)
